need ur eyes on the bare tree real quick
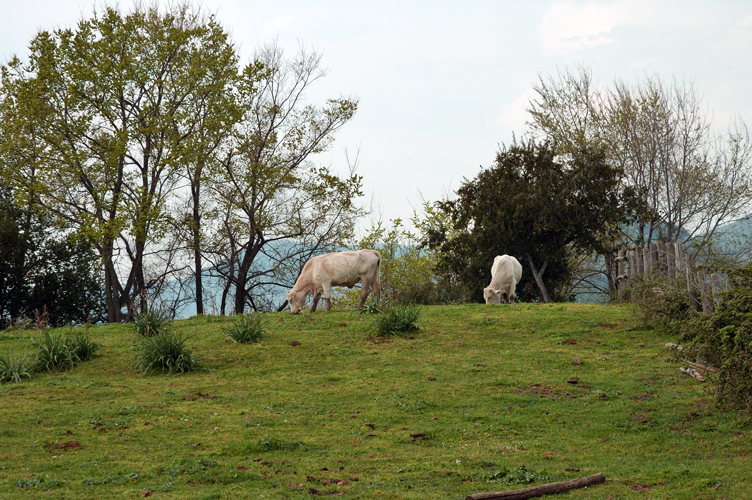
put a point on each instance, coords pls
(692, 177)
(278, 207)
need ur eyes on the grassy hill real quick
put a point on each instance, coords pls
(478, 400)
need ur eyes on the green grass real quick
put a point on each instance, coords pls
(477, 400)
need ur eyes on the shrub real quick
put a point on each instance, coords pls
(397, 321)
(82, 347)
(54, 354)
(13, 369)
(165, 352)
(151, 321)
(662, 302)
(724, 340)
(246, 328)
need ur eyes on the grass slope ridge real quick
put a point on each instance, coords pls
(477, 400)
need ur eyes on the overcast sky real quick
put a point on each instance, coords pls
(442, 84)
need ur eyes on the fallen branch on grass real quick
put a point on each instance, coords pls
(692, 373)
(700, 366)
(539, 491)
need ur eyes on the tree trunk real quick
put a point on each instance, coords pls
(241, 279)
(539, 278)
(111, 287)
(196, 230)
(199, 283)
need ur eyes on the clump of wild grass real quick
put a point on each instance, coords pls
(13, 368)
(375, 307)
(165, 352)
(247, 328)
(398, 320)
(54, 354)
(151, 321)
(57, 353)
(82, 347)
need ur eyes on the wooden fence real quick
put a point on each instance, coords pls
(669, 260)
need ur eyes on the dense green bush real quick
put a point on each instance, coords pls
(165, 352)
(662, 302)
(397, 320)
(13, 368)
(724, 340)
(246, 328)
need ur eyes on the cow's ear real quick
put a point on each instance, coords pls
(497, 292)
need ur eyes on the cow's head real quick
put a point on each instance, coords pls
(492, 296)
(296, 301)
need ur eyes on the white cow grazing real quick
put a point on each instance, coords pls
(323, 272)
(506, 272)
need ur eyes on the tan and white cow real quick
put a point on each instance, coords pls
(322, 272)
(506, 272)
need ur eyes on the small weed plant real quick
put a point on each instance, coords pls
(13, 368)
(375, 307)
(397, 321)
(247, 328)
(82, 347)
(151, 321)
(166, 353)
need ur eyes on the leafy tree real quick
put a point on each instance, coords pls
(42, 269)
(97, 126)
(536, 206)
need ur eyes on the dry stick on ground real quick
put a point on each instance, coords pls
(539, 491)
(700, 366)
(692, 373)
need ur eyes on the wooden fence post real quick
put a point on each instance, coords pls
(715, 280)
(662, 263)
(670, 261)
(639, 267)
(679, 253)
(654, 268)
(704, 292)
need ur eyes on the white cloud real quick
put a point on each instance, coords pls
(747, 21)
(569, 27)
(514, 115)
(277, 24)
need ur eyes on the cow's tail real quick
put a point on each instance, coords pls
(376, 283)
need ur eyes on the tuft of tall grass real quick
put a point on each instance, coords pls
(374, 307)
(165, 352)
(397, 321)
(82, 347)
(13, 368)
(54, 354)
(246, 328)
(151, 321)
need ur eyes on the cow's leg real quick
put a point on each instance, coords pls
(316, 297)
(365, 289)
(328, 296)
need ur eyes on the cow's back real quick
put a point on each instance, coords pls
(503, 272)
(343, 268)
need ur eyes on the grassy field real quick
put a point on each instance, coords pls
(478, 400)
